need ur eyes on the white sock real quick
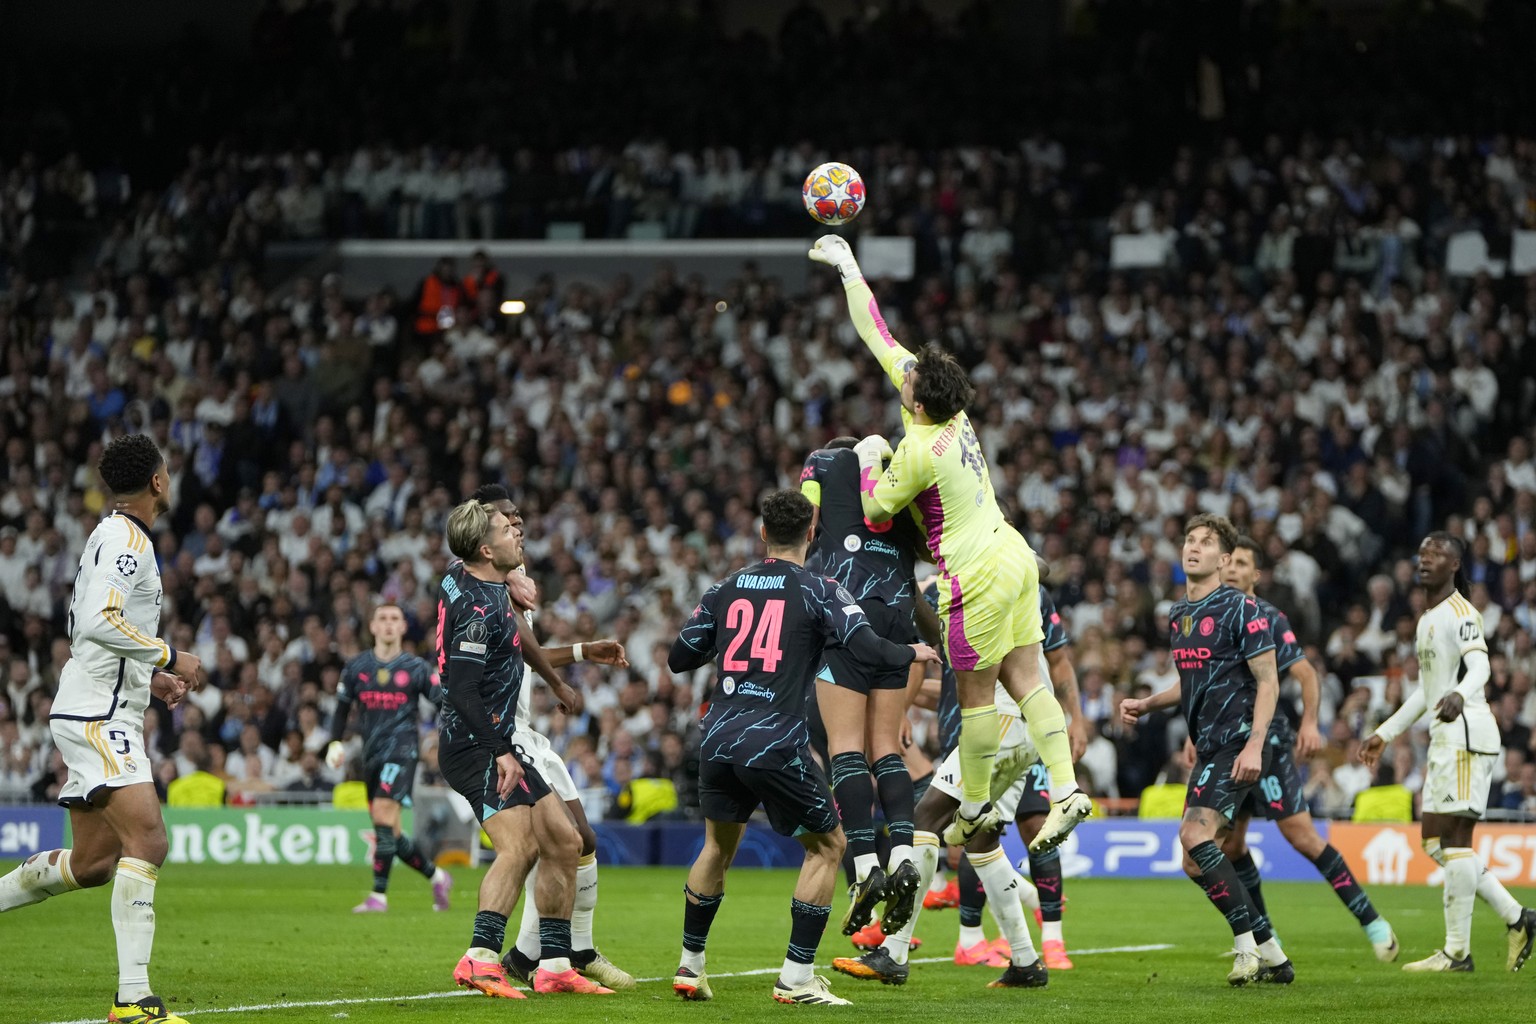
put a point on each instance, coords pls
(483, 954)
(1061, 790)
(1002, 885)
(970, 808)
(927, 849)
(1244, 943)
(1270, 953)
(691, 960)
(35, 879)
(1496, 896)
(970, 935)
(900, 855)
(1461, 870)
(794, 974)
(133, 920)
(555, 964)
(863, 864)
(528, 942)
(939, 882)
(586, 903)
(1050, 931)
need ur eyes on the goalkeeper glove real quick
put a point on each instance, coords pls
(335, 755)
(834, 252)
(873, 450)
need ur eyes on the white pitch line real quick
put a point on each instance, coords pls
(258, 1007)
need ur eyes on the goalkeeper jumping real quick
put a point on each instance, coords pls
(989, 588)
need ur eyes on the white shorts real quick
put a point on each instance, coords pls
(1457, 781)
(548, 763)
(103, 754)
(1011, 735)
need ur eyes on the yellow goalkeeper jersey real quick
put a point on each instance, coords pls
(938, 469)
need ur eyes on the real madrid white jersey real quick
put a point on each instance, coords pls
(114, 617)
(1446, 634)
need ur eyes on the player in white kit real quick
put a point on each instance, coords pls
(116, 662)
(522, 958)
(1463, 748)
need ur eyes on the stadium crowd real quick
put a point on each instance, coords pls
(1299, 361)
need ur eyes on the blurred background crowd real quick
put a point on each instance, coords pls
(1296, 356)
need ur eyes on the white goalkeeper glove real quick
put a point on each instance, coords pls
(335, 755)
(874, 450)
(835, 252)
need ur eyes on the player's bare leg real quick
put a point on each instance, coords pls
(512, 837)
(559, 845)
(809, 911)
(702, 894)
(1047, 724)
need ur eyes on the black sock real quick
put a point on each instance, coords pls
(1330, 863)
(855, 796)
(698, 914)
(807, 923)
(894, 785)
(554, 938)
(383, 856)
(1248, 874)
(490, 930)
(1222, 887)
(972, 896)
(409, 854)
(1045, 872)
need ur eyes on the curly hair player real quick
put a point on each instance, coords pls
(988, 596)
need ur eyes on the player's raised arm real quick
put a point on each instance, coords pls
(894, 359)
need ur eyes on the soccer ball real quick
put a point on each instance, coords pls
(833, 193)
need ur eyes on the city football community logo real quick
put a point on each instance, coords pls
(852, 543)
(728, 685)
(127, 565)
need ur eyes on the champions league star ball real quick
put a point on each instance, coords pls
(833, 193)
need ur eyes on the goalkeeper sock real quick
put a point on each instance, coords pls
(383, 856)
(133, 921)
(927, 849)
(1002, 884)
(698, 915)
(585, 904)
(528, 928)
(38, 877)
(978, 749)
(409, 854)
(1330, 864)
(808, 922)
(1047, 727)
(855, 796)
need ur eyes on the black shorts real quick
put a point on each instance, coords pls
(391, 777)
(796, 797)
(1037, 793)
(841, 668)
(472, 774)
(1278, 794)
(1211, 783)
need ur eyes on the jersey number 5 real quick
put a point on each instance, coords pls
(766, 645)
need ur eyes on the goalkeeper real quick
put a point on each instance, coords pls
(989, 602)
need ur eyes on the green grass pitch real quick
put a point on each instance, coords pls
(248, 937)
